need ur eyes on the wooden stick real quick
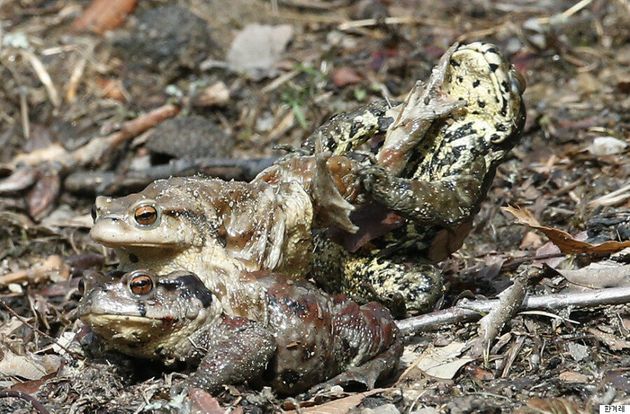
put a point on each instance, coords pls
(467, 310)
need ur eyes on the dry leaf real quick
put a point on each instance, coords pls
(53, 268)
(256, 49)
(29, 366)
(23, 177)
(443, 362)
(565, 242)
(611, 341)
(112, 88)
(344, 76)
(216, 94)
(42, 197)
(204, 403)
(551, 406)
(599, 275)
(573, 377)
(104, 15)
(607, 146)
(531, 240)
(340, 406)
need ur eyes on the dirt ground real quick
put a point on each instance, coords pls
(91, 104)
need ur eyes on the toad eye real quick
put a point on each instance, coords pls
(93, 211)
(141, 284)
(145, 215)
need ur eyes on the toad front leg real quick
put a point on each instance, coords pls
(239, 351)
(442, 202)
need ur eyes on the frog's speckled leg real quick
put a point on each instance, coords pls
(400, 283)
(458, 160)
(347, 131)
(423, 105)
(444, 201)
(238, 351)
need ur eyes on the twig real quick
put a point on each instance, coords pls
(492, 323)
(75, 79)
(576, 8)
(110, 183)
(26, 124)
(472, 310)
(396, 20)
(94, 151)
(613, 198)
(39, 407)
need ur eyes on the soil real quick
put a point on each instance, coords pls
(67, 84)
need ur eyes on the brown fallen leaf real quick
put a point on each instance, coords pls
(23, 177)
(204, 403)
(216, 94)
(340, 406)
(573, 377)
(551, 406)
(439, 362)
(611, 341)
(112, 88)
(30, 366)
(42, 197)
(344, 76)
(565, 242)
(104, 15)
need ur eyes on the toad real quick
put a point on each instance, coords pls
(432, 160)
(394, 189)
(292, 337)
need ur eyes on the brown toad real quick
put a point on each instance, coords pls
(291, 337)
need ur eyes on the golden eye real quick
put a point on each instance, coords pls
(145, 215)
(141, 284)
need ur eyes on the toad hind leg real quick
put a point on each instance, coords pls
(365, 376)
(401, 284)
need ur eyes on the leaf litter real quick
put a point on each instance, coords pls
(76, 108)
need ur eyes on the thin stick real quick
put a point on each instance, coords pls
(107, 182)
(473, 310)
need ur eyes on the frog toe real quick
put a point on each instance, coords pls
(366, 376)
(332, 207)
(373, 177)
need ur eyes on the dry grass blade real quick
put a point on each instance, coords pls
(44, 77)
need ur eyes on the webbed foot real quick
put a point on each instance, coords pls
(332, 208)
(424, 104)
(365, 376)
